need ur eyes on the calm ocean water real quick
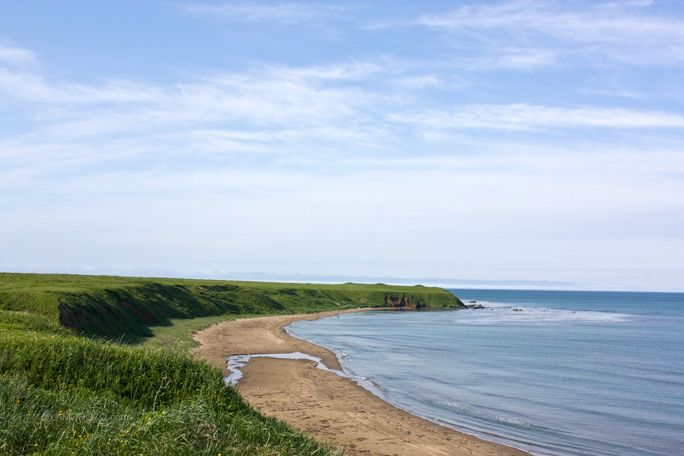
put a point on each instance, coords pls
(551, 372)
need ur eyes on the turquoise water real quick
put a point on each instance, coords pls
(553, 373)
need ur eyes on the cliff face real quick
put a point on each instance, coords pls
(409, 302)
(403, 303)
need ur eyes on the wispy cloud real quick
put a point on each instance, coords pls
(615, 93)
(292, 114)
(528, 117)
(32, 87)
(421, 82)
(279, 111)
(270, 95)
(616, 32)
(520, 59)
(16, 56)
(348, 71)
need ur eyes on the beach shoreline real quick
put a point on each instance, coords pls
(326, 406)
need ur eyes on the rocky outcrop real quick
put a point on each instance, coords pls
(403, 302)
(475, 306)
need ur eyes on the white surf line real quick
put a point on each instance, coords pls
(236, 362)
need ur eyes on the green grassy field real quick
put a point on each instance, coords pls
(124, 308)
(63, 394)
(99, 365)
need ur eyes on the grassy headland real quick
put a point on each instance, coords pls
(75, 378)
(124, 308)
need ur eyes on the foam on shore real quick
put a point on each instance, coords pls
(236, 362)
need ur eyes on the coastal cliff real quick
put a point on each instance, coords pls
(413, 302)
(126, 307)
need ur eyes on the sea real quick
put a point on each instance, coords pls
(564, 373)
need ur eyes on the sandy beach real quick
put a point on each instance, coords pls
(326, 406)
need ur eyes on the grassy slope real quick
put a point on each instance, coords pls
(126, 307)
(62, 393)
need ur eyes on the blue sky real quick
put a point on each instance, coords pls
(514, 143)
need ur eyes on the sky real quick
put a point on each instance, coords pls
(514, 144)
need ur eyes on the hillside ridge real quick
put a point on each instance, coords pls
(125, 308)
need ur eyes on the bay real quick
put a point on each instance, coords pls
(552, 372)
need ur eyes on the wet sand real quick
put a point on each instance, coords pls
(326, 406)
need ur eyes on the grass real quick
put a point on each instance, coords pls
(95, 365)
(178, 333)
(66, 394)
